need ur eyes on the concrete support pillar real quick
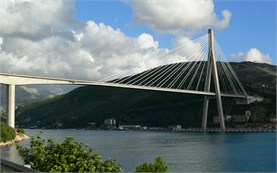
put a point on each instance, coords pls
(218, 98)
(205, 113)
(207, 89)
(11, 105)
(211, 68)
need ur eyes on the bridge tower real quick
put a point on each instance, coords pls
(212, 70)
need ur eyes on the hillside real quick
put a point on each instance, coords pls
(25, 95)
(128, 106)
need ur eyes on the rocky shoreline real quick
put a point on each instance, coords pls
(19, 137)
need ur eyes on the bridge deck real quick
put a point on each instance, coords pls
(6, 78)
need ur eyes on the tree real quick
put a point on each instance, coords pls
(67, 156)
(7, 133)
(158, 166)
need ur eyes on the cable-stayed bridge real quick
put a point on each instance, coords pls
(200, 68)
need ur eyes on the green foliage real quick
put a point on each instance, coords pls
(158, 166)
(20, 131)
(34, 105)
(7, 133)
(67, 156)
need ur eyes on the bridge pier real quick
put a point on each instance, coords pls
(205, 113)
(11, 80)
(10, 105)
(212, 69)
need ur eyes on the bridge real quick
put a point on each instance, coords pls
(177, 77)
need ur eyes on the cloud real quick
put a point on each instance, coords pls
(146, 41)
(100, 52)
(36, 19)
(192, 50)
(44, 38)
(177, 17)
(253, 55)
(186, 41)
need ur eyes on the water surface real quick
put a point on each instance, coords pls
(183, 152)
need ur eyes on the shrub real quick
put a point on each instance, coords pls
(67, 156)
(7, 133)
(158, 166)
(20, 131)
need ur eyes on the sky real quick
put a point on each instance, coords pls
(86, 39)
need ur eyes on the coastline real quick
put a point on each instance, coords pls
(19, 137)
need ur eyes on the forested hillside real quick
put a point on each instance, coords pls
(151, 108)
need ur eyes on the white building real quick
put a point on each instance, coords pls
(175, 127)
(255, 98)
(110, 122)
(129, 127)
(226, 118)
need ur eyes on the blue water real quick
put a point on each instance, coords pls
(183, 152)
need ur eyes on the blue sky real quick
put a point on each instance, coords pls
(252, 24)
(118, 15)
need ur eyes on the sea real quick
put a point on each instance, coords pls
(182, 151)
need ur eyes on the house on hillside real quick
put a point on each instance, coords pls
(175, 127)
(129, 127)
(110, 123)
(226, 119)
(238, 114)
(255, 98)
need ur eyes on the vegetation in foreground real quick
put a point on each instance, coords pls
(22, 131)
(72, 156)
(7, 133)
(68, 156)
(158, 166)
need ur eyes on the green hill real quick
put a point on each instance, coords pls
(151, 108)
(24, 95)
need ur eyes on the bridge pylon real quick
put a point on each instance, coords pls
(212, 70)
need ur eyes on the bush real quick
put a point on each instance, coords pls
(158, 166)
(20, 131)
(7, 133)
(67, 156)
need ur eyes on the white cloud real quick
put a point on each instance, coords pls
(253, 55)
(192, 50)
(187, 42)
(35, 19)
(146, 41)
(102, 51)
(178, 16)
(44, 38)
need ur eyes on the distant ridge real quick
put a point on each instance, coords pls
(25, 95)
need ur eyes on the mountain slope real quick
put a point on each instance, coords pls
(25, 95)
(93, 104)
